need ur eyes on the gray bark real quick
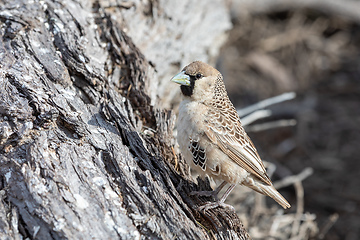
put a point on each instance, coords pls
(85, 151)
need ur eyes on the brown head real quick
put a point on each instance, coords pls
(198, 81)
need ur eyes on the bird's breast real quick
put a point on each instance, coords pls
(190, 124)
(192, 117)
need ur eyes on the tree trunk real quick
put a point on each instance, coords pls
(86, 145)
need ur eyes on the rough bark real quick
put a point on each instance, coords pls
(85, 152)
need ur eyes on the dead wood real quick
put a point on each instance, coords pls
(84, 152)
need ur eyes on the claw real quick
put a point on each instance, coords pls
(212, 205)
(218, 203)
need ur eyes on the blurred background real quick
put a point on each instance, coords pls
(310, 48)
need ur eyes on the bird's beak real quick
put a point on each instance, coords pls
(181, 78)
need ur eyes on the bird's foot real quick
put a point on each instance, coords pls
(212, 205)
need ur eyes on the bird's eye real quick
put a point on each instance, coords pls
(198, 76)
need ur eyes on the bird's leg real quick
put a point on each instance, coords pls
(227, 192)
(220, 202)
(213, 193)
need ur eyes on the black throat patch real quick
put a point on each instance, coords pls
(188, 90)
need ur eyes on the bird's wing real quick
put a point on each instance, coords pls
(225, 130)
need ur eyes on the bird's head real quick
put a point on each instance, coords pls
(198, 80)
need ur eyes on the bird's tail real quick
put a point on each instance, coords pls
(267, 190)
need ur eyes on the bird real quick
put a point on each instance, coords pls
(212, 139)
